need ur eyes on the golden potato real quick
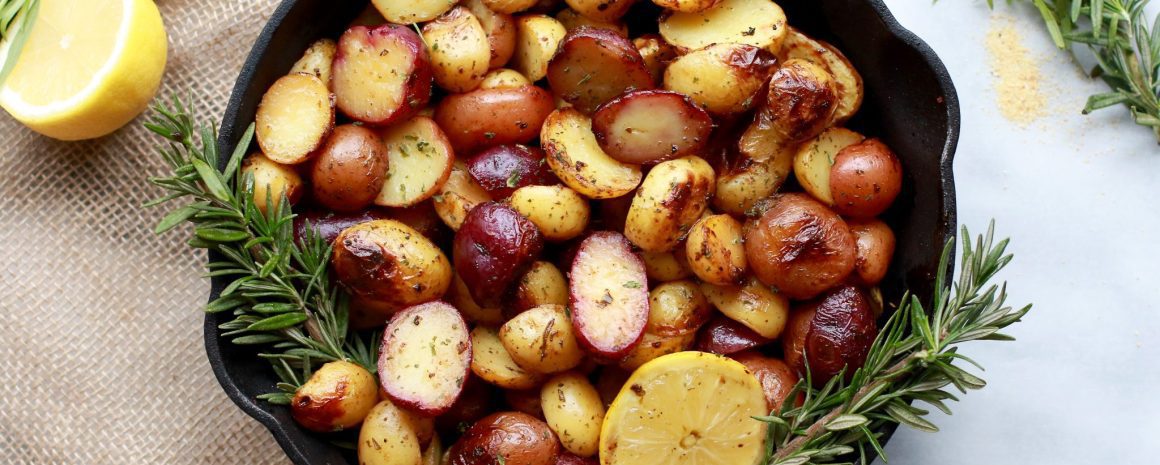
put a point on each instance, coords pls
(272, 181)
(294, 118)
(317, 60)
(751, 304)
(656, 53)
(577, 159)
(798, 106)
(601, 10)
(412, 11)
(742, 186)
(760, 23)
(573, 20)
(389, 261)
(460, 297)
(337, 396)
(509, 6)
(504, 78)
(491, 362)
(671, 198)
(573, 410)
(666, 266)
(421, 160)
(542, 284)
(723, 78)
(542, 340)
(716, 250)
(815, 159)
(846, 77)
(387, 438)
(458, 48)
(652, 346)
(458, 195)
(537, 37)
(677, 308)
(687, 6)
(560, 213)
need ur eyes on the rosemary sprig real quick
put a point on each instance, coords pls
(16, 18)
(914, 358)
(280, 294)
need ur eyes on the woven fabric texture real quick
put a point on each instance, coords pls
(100, 328)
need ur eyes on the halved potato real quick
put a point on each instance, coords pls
(537, 38)
(651, 126)
(500, 29)
(542, 340)
(813, 161)
(381, 75)
(293, 118)
(492, 362)
(412, 11)
(687, 6)
(317, 60)
(760, 23)
(390, 262)
(821, 53)
(609, 295)
(799, 105)
(751, 304)
(577, 159)
(272, 181)
(387, 438)
(672, 197)
(560, 213)
(722, 78)
(656, 53)
(458, 195)
(509, 6)
(573, 20)
(459, 50)
(420, 162)
(504, 78)
(542, 284)
(594, 66)
(716, 250)
(425, 357)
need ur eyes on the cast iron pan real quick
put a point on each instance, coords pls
(910, 103)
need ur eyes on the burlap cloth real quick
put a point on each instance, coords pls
(101, 357)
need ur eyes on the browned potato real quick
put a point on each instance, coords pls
(577, 159)
(488, 117)
(272, 181)
(492, 362)
(716, 250)
(573, 410)
(651, 126)
(458, 196)
(814, 161)
(747, 182)
(542, 340)
(760, 23)
(459, 50)
(411, 11)
(594, 66)
(337, 396)
(349, 170)
(652, 346)
(776, 378)
(506, 438)
(493, 248)
(799, 105)
(509, 6)
(525, 400)
(388, 438)
(677, 308)
(671, 198)
(542, 284)
(833, 332)
(687, 6)
(601, 10)
(751, 304)
(421, 158)
(656, 53)
(865, 179)
(573, 20)
(500, 29)
(537, 38)
(388, 261)
(724, 336)
(293, 118)
(874, 241)
(799, 247)
(425, 358)
(666, 266)
(504, 168)
(382, 75)
(504, 78)
(460, 297)
(317, 60)
(846, 77)
(559, 212)
(723, 78)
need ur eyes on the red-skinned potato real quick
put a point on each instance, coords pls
(724, 336)
(421, 159)
(723, 78)
(677, 308)
(504, 168)
(272, 181)
(493, 248)
(834, 332)
(865, 179)
(500, 29)
(814, 161)
(568, 458)
(425, 357)
(525, 400)
(328, 224)
(519, 438)
(799, 247)
(488, 117)
(388, 261)
(656, 53)
(776, 378)
(650, 126)
(573, 20)
(349, 170)
(594, 66)
(294, 118)
(609, 295)
(398, 56)
(336, 397)
(459, 49)
(874, 241)
(577, 159)
(477, 400)
(799, 105)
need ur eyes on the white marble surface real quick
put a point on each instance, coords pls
(1077, 195)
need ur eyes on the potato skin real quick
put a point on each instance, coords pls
(775, 376)
(492, 248)
(387, 437)
(651, 126)
(572, 408)
(595, 65)
(670, 199)
(799, 105)
(504, 168)
(542, 340)
(349, 169)
(874, 241)
(489, 117)
(722, 78)
(865, 179)
(835, 331)
(677, 308)
(519, 438)
(272, 180)
(799, 246)
(542, 284)
(337, 396)
(500, 29)
(459, 49)
(716, 250)
(388, 261)
(568, 458)
(558, 211)
(724, 336)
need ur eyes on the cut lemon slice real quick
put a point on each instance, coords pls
(87, 68)
(687, 408)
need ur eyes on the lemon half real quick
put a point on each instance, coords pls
(687, 408)
(87, 68)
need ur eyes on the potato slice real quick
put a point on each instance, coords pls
(812, 163)
(492, 362)
(381, 75)
(425, 357)
(672, 197)
(412, 11)
(723, 78)
(741, 188)
(651, 126)
(560, 213)
(420, 162)
(751, 304)
(716, 250)
(687, 6)
(542, 340)
(459, 50)
(272, 181)
(458, 196)
(500, 29)
(317, 60)
(847, 79)
(577, 159)
(573, 20)
(387, 438)
(609, 295)
(293, 118)
(594, 66)
(537, 38)
(760, 23)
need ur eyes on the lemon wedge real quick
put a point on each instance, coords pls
(687, 408)
(87, 68)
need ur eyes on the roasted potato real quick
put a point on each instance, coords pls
(663, 267)
(349, 170)
(833, 332)
(601, 10)
(577, 159)
(723, 78)
(846, 77)
(509, 6)
(317, 60)
(671, 198)
(656, 53)
(388, 261)
(799, 105)
(504, 78)
(716, 250)
(542, 284)
(421, 158)
(500, 29)
(328, 225)
(573, 410)
(493, 248)
(542, 340)
(425, 357)
(776, 378)
(272, 181)
(458, 196)
(537, 38)
(411, 11)
(874, 241)
(814, 161)
(382, 75)
(422, 217)
(677, 308)
(559, 212)
(687, 6)
(573, 20)
(459, 49)
(724, 336)
(337, 396)
(653, 346)
(799, 247)
(651, 126)
(504, 168)
(865, 179)
(492, 362)
(488, 117)
(760, 23)
(511, 438)
(387, 438)
(459, 296)
(752, 305)
(594, 66)
(741, 186)
(608, 295)
(294, 117)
